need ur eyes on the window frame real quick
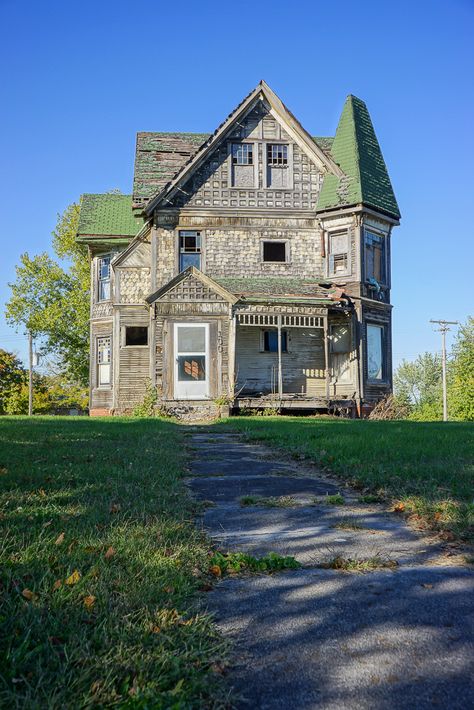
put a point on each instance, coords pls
(347, 353)
(284, 348)
(255, 162)
(331, 255)
(288, 166)
(101, 281)
(99, 384)
(275, 241)
(182, 233)
(383, 259)
(382, 327)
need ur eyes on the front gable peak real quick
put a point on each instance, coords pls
(192, 285)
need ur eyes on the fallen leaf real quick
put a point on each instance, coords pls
(3, 471)
(155, 629)
(47, 523)
(115, 508)
(110, 553)
(89, 601)
(168, 590)
(28, 594)
(427, 586)
(399, 507)
(73, 578)
(60, 539)
(71, 546)
(437, 516)
(42, 492)
(58, 583)
(215, 570)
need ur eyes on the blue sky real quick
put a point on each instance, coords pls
(78, 80)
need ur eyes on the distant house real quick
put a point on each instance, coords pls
(249, 267)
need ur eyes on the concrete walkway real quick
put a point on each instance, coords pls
(324, 638)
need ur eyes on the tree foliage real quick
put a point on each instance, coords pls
(52, 299)
(12, 377)
(461, 389)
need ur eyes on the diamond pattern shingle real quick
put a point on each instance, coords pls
(107, 215)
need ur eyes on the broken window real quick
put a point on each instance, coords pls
(338, 254)
(278, 173)
(104, 278)
(375, 356)
(374, 257)
(190, 249)
(274, 251)
(270, 341)
(340, 353)
(136, 335)
(103, 361)
(243, 171)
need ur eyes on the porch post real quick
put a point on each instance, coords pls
(232, 336)
(280, 377)
(326, 354)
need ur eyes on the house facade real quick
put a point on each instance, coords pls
(250, 268)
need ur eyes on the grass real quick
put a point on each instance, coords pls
(233, 562)
(349, 524)
(269, 501)
(100, 569)
(367, 564)
(427, 467)
(335, 499)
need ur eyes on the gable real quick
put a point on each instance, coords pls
(218, 182)
(107, 216)
(274, 106)
(192, 285)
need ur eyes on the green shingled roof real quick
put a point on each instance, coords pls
(107, 215)
(355, 148)
(276, 289)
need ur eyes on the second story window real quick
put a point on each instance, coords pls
(190, 249)
(242, 154)
(278, 170)
(104, 278)
(339, 254)
(374, 257)
(274, 251)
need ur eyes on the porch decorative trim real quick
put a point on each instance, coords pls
(274, 319)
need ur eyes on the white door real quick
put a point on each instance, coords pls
(191, 376)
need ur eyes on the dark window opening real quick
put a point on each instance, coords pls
(136, 335)
(374, 257)
(274, 251)
(270, 341)
(277, 154)
(189, 249)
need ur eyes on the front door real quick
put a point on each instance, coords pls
(191, 374)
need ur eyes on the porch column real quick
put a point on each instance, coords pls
(326, 354)
(232, 337)
(280, 376)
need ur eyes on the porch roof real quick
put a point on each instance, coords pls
(281, 290)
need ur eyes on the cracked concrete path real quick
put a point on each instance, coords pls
(320, 638)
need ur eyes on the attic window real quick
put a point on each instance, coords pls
(277, 154)
(242, 154)
(274, 251)
(338, 254)
(136, 335)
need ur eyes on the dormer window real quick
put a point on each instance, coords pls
(242, 154)
(104, 278)
(279, 163)
(277, 154)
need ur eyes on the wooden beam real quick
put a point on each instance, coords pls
(326, 355)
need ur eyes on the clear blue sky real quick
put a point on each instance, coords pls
(79, 79)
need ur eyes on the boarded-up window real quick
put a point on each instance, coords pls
(243, 170)
(136, 335)
(339, 254)
(375, 358)
(340, 353)
(103, 361)
(278, 168)
(374, 257)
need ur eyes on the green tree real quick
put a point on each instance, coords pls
(12, 376)
(52, 300)
(461, 387)
(420, 384)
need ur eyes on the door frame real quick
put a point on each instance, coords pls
(206, 381)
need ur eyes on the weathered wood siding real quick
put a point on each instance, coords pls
(100, 397)
(132, 362)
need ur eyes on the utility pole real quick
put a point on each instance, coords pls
(443, 329)
(30, 378)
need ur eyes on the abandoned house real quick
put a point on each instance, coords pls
(250, 268)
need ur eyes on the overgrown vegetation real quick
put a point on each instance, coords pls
(269, 501)
(426, 467)
(234, 562)
(100, 566)
(366, 564)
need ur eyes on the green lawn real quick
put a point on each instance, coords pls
(428, 467)
(100, 566)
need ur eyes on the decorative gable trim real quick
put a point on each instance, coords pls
(200, 288)
(141, 237)
(279, 111)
